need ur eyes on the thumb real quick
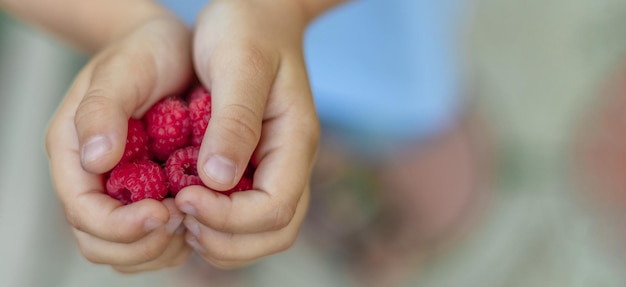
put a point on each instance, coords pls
(240, 80)
(122, 85)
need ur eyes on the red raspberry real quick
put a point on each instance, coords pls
(200, 113)
(244, 184)
(181, 169)
(196, 92)
(168, 126)
(136, 142)
(134, 181)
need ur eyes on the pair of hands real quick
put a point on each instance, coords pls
(249, 54)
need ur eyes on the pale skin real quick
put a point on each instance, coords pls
(249, 54)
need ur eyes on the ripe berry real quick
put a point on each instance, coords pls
(244, 184)
(168, 126)
(197, 92)
(133, 181)
(170, 133)
(181, 169)
(200, 114)
(136, 142)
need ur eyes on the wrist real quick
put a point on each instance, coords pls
(86, 25)
(260, 21)
(311, 9)
(305, 10)
(131, 17)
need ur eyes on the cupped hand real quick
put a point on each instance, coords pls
(249, 54)
(86, 138)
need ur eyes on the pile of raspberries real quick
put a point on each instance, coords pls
(161, 150)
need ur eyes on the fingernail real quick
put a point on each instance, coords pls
(95, 148)
(193, 227)
(152, 224)
(173, 224)
(220, 169)
(188, 209)
(193, 242)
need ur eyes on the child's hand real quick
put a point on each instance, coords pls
(87, 135)
(249, 54)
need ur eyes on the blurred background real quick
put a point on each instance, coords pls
(545, 76)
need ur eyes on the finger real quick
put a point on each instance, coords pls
(282, 174)
(227, 250)
(176, 217)
(144, 250)
(240, 79)
(87, 207)
(124, 82)
(176, 254)
(114, 222)
(220, 264)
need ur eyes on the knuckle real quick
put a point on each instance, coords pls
(255, 57)
(241, 123)
(147, 254)
(251, 60)
(123, 236)
(315, 133)
(220, 252)
(150, 252)
(70, 216)
(134, 60)
(310, 130)
(94, 103)
(286, 243)
(225, 223)
(282, 217)
(90, 253)
(310, 124)
(252, 57)
(143, 68)
(127, 71)
(50, 139)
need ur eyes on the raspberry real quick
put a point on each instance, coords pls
(168, 126)
(134, 181)
(244, 184)
(136, 142)
(196, 92)
(170, 133)
(181, 169)
(162, 149)
(200, 114)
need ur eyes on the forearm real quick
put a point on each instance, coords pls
(86, 24)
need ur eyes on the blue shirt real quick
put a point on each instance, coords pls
(381, 70)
